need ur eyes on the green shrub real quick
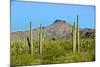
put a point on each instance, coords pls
(54, 51)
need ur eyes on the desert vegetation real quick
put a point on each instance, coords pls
(76, 48)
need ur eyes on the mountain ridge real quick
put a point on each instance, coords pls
(59, 29)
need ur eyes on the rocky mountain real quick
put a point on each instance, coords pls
(87, 32)
(59, 29)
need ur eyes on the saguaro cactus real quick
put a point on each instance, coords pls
(72, 34)
(74, 37)
(29, 45)
(31, 37)
(40, 39)
(19, 40)
(19, 46)
(77, 34)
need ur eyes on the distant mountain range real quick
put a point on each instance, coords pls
(60, 29)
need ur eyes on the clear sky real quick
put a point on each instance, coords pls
(46, 14)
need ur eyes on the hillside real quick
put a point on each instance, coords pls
(59, 29)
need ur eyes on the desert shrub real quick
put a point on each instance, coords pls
(53, 51)
(23, 59)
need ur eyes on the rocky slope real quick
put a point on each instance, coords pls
(59, 29)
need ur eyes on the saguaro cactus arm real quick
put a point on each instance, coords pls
(29, 45)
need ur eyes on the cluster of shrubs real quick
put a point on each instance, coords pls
(54, 51)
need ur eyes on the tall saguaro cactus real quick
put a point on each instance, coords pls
(19, 44)
(74, 37)
(40, 39)
(31, 37)
(77, 34)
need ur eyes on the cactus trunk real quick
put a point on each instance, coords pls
(19, 44)
(31, 37)
(74, 37)
(77, 34)
(40, 40)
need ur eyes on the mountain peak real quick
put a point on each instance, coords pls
(59, 21)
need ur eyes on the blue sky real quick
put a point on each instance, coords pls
(46, 14)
